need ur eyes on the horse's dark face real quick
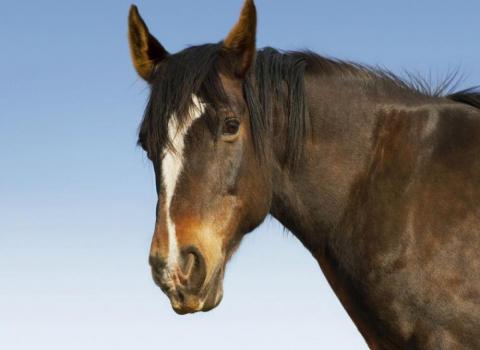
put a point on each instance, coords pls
(211, 187)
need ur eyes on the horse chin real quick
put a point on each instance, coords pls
(192, 304)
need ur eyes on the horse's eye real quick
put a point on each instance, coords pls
(231, 126)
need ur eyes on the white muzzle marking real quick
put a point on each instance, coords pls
(172, 165)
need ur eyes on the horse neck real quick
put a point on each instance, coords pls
(311, 200)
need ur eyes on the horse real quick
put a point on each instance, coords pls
(376, 176)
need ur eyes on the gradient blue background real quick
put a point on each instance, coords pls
(77, 196)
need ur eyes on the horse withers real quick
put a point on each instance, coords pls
(377, 177)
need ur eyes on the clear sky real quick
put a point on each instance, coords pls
(77, 196)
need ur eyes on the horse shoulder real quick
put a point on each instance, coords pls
(418, 234)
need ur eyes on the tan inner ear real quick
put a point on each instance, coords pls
(145, 50)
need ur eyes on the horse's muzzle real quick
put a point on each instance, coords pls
(185, 284)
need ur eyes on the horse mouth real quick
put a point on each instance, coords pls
(189, 304)
(184, 301)
(193, 305)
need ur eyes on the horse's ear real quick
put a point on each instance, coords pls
(239, 45)
(146, 51)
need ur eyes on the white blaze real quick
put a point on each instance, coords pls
(172, 165)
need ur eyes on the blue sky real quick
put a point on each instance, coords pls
(77, 196)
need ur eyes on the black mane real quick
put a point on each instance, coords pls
(469, 96)
(277, 77)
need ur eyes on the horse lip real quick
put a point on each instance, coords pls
(183, 310)
(202, 306)
(184, 303)
(185, 300)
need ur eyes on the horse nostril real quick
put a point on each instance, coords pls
(188, 264)
(193, 268)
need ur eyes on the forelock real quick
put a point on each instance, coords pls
(191, 72)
